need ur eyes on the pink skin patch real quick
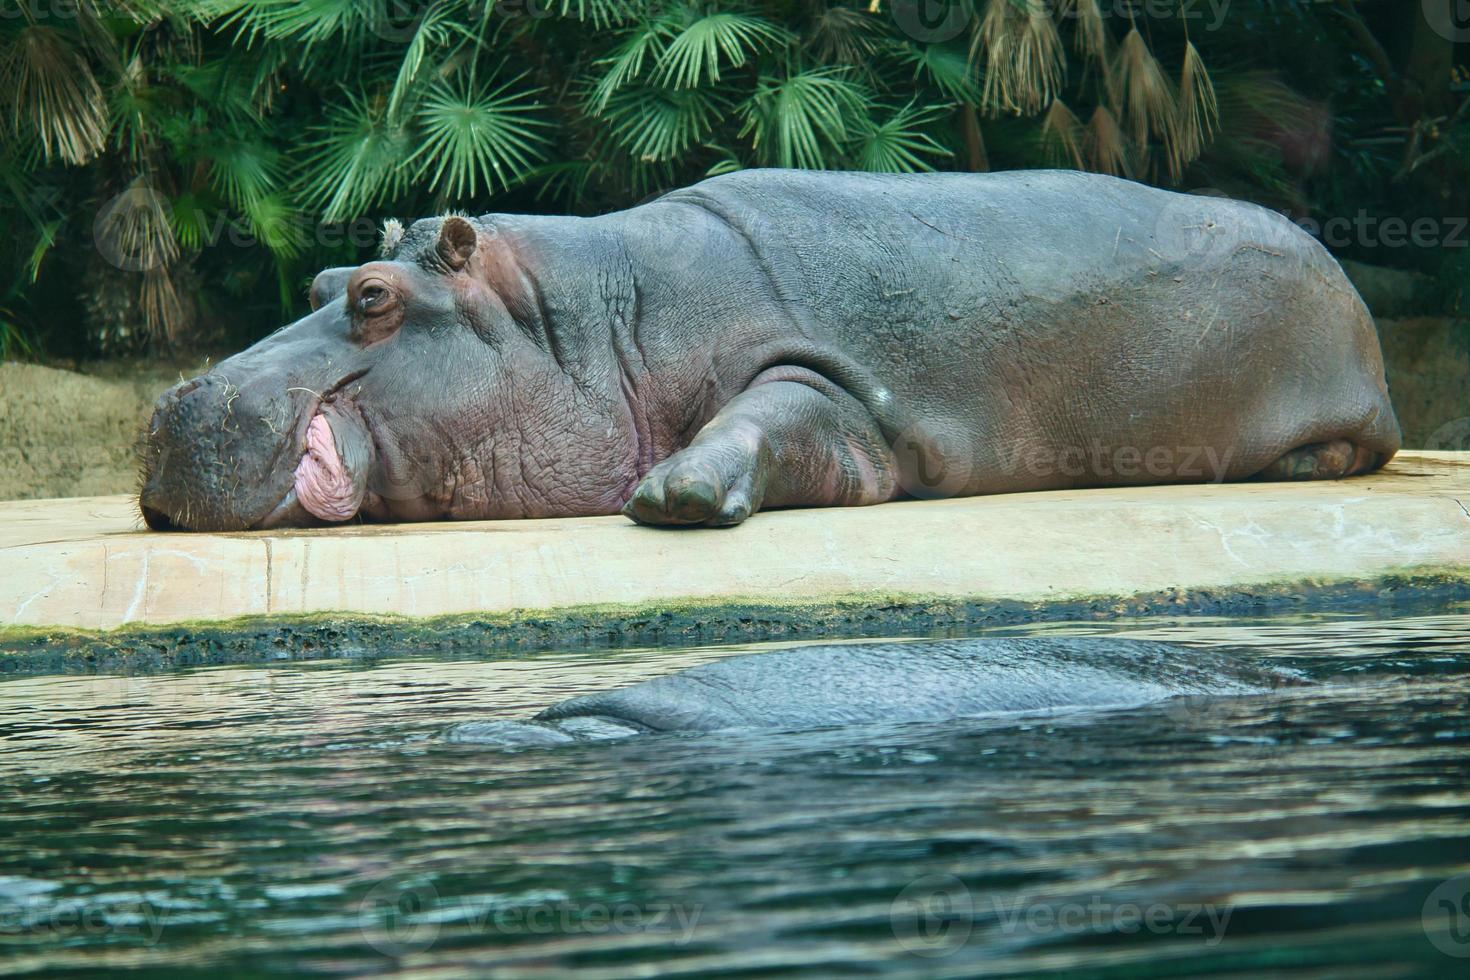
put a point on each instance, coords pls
(323, 485)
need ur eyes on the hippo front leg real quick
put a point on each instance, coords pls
(779, 443)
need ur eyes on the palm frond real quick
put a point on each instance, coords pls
(602, 14)
(1198, 105)
(695, 52)
(191, 219)
(1091, 38)
(244, 171)
(1024, 59)
(644, 44)
(727, 162)
(355, 159)
(947, 68)
(276, 225)
(844, 34)
(1062, 136)
(802, 119)
(160, 304)
(307, 21)
(1148, 100)
(432, 32)
(478, 136)
(656, 125)
(53, 93)
(899, 143)
(566, 180)
(1104, 146)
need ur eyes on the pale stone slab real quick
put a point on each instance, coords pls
(88, 563)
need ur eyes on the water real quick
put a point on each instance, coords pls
(304, 819)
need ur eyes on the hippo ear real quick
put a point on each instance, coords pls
(456, 242)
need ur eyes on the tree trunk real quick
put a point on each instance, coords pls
(1426, 88)
(976, 159)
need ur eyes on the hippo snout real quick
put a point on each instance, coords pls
(216, 456)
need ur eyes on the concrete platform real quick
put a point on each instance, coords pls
(86, 563)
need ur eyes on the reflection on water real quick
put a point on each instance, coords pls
(304, 818)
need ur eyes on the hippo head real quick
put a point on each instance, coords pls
(418, 387)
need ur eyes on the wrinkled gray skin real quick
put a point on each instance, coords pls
(781, 338)
(863, 683)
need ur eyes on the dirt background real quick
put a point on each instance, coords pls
(71, 434)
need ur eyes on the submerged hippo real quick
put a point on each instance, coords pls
(864, 683)
(777, 338)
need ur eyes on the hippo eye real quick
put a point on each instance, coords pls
(373, 298)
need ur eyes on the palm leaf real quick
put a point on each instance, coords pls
(244, 171)
(478, 136)
(53, 93)
(274, 224)
(1024, 58)
(431, 33)
(695, 52)
(354, 160)
(190, 218)
(947, 68)
(1149, 105)
(843, 34)
(899, 143)
(603, 14)
(1104, 146)
(656, 125)
(306, 21)
(1198, 106)
(1062, 136)
(802, 119)
(644, 44)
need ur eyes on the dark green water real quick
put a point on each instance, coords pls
(304, 819)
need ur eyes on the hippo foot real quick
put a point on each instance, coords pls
(1323, 461)
(698, 485)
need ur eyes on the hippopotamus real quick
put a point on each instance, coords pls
(864, 683)
(776, 338)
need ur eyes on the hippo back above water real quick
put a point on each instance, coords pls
(781, 338)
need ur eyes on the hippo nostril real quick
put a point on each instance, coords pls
(157, 519)
(186, 388)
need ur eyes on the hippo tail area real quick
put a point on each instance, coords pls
(1359, 430)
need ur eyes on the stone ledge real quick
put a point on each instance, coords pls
(86, 563)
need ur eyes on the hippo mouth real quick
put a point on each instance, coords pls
(330, 481)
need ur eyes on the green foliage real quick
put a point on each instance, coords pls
(249, 137)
